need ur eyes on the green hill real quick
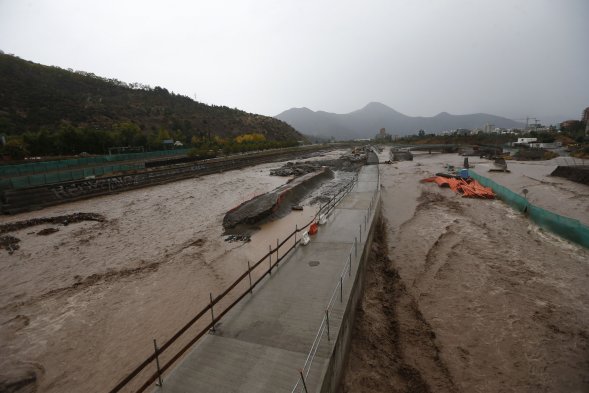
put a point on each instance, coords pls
(48, 110)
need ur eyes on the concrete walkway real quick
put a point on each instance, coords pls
(261, 344)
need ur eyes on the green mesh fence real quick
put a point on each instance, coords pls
(568, 228)
(50, 166)
(65, 175)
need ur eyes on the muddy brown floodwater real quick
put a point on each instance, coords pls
(467, 295)
(79, 306)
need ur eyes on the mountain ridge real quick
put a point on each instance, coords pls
(36, 97)
(368, 120)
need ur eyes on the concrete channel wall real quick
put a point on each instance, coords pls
(333, 374)
(25, 199)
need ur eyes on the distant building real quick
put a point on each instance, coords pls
(545, 145)
(488, 128)
(382, 136)
(569, 124)
(585, 118)
(525, 141)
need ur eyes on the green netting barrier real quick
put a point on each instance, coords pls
(566, 227)
(49, 166)
(56, 177)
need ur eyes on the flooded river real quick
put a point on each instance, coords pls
(79, 307)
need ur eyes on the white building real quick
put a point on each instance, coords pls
(526, 141)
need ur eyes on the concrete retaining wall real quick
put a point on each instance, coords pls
(25, 199)
(333, 373)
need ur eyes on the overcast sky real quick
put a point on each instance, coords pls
(507, 57)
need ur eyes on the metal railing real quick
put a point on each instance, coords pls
(324, 327)
(215, 313)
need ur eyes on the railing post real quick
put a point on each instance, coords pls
(360, 232)
(157, 363)
(270, 258)
(212, 313)
(277, 245)
(303, 379)
(350, 267)
(249, 273)
(295, 234)
(341, 289)
(327, 319)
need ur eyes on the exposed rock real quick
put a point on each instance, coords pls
(47, 231)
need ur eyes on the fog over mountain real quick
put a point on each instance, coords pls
(366, 122)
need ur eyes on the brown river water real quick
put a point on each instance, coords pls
(484, 300)
(468, 295)
(79, 307)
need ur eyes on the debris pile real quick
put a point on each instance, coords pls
(347, 163)
(9, 243)
(243, 237)
(295, 169)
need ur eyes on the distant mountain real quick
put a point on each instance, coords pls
(366, 122)
(36, 97)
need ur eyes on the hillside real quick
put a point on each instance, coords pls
(366, 122)
(36, 98)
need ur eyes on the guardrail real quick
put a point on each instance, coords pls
(156, 375)
(324, 326)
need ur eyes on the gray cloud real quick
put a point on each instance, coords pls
(507, 57)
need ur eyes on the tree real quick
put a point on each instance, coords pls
(127, 133)
(15, 148)
(163, 135)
